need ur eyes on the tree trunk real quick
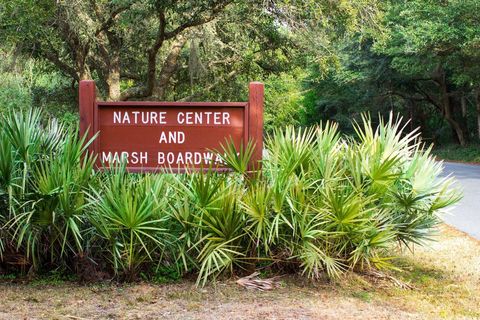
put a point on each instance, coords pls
(463, 102)
(80, 57)
(457, 129)
(82, 69)
(84, 74)
(477, 103)
(113, 78)
(447, 111)
(169, 68)
(411, 114)
(111, 56)
(113, 82)
(421, 117)
(464, 110)
(457, 113)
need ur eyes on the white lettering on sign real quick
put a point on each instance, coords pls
(187, 158)
(167, 136)
(139, 117)
(172, 137)
(186, 118)
(124, 156)
(206, 117)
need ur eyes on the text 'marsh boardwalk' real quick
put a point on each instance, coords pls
(152, 136)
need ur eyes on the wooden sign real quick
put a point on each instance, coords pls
(153, 136)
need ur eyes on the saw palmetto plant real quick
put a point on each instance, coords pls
(321, 204)
(129, 216)
(44, 176)
(332, 204)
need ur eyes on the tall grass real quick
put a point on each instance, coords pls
(321, 204)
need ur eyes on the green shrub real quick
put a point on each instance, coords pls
(455, 152)
(15, 93)
(129, 213)
(27, 82)
(45, 178)
(321, 203)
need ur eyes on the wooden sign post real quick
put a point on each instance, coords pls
(154, 136)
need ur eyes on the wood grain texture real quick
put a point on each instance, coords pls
(133, 130)
(255, 121)
(86, 101)
(145, 134)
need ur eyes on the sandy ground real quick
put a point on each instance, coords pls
(445, 278)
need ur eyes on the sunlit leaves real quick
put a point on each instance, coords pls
(322, 203)
(129, 213)
(45, 177)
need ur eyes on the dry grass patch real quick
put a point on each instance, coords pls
(445, 278)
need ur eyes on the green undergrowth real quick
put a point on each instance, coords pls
(321, 205)
(455, 152)
(438, 282)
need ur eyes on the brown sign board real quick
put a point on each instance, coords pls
(154, 136)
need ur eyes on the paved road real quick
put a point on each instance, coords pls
(466, 215)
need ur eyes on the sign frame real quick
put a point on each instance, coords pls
(252, 123)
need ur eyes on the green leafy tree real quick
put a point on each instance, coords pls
(421, 62)
(433, 43)
(159, 49)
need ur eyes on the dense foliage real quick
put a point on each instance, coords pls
(164, 49)
(320, 60)
(322, 203)
(422, 62)
(169, 50)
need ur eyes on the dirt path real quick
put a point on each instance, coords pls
(445, 277)
(185, 302)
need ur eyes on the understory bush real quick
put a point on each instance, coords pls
(321, 204)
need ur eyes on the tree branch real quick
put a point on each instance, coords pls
(55, 59)
(162, 35)
(142, 92)
(169, 67)
(210, 87)
(429, 98)
(111, 18)
(215, 10)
